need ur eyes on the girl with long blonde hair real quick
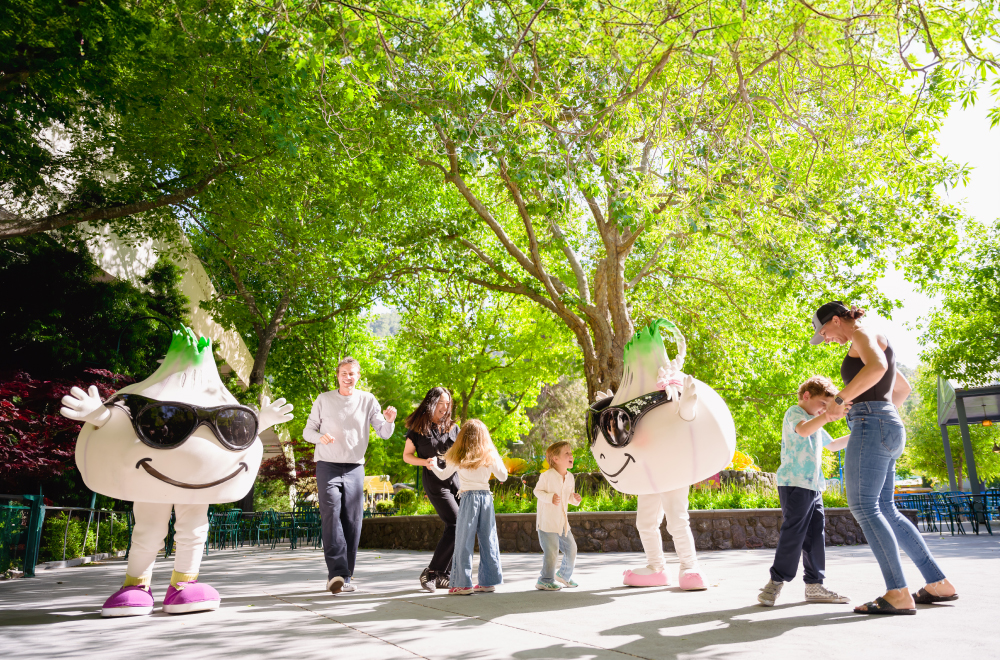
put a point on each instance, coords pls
(476, 460)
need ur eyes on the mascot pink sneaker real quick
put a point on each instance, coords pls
(662, 431)
(646, 577)
(173, 443)
(190, 597)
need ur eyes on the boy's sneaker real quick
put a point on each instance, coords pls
(566, 583)
(348, 588)
(817, 593)
(461, 591)
(484, 590)
(427, 582)
(547, 585)
(769, 593)
(441, 581)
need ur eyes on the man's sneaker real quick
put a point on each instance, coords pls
(441, 582)
(460, 591)
(769, 593)
(484, 590)
(547, 585)
(427, 582)
(817, 593)
(335, 584)
(566, 583)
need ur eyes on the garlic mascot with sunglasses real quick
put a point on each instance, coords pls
(659, 433)
(176, 441)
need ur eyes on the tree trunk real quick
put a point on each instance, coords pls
(265, 339)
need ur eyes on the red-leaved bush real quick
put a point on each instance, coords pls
(36, 442)
(276, 467)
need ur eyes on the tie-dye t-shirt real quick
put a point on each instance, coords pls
(801, 458)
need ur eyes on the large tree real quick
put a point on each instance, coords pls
(612, 154)
(117, 111)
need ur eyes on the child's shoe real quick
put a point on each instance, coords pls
(692, 581)
(441, 582)
(817, 593)
(484, 590)
(769, 593)
(134, 600)
(461, 591)
(190, 597)
(645, 577)
(427, 582)
(547, 585)
(566, 583)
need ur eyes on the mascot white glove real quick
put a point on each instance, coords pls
(273, 413)
(85, 406)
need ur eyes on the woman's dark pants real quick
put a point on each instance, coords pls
(443, 497)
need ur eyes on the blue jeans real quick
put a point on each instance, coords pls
(475, 518)
(552, 543)
(877, 440)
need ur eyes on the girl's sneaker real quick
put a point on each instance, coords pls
(547, 585)
(461, 591)
(484, 590)
(566, 583)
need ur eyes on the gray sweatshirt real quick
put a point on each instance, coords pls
(347, 419)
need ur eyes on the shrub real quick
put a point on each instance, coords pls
(384, 506)
(110, 539)
(404, 498)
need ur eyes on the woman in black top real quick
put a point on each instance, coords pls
(873, 389)
(430, 433)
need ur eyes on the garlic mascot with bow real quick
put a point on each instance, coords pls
(176, 441)
(659, 433)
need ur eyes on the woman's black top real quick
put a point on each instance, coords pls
(436, 444)
(882, 390)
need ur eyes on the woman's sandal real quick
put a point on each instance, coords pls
(924, 597)
(882, 606)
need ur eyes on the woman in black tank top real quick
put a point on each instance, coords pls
(430, 433)
(873, 388)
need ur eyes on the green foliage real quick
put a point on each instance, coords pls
(384, 506)
(405, 498)
(67, 318)
(272, 494)
(112, 537)
(961, 340)
(924, 453)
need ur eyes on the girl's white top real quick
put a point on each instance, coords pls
(478, 479)
(553, 517)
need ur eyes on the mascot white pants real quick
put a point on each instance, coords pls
(659, 433)
(152, 522)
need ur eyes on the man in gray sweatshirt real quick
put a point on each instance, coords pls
(338, 426)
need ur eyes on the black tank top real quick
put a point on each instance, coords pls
(882, 390)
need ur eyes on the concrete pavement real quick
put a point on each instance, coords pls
(274, 606)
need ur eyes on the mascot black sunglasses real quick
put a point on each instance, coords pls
(618, 422)
(167, 424)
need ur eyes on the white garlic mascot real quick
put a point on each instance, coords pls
(177, 441)
(659, 433)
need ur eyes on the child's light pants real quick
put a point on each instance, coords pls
(151, 525)
(649, 514)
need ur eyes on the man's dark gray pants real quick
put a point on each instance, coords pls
(341, 488)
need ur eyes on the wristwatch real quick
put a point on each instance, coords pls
(838, 400)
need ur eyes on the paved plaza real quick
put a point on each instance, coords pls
(274, 606)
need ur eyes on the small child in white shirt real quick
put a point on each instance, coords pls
(554, 491)
(475, 459)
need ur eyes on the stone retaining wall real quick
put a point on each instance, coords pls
(614, 531)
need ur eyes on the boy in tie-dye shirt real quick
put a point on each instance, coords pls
(800, 490)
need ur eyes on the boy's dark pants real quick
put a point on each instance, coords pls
(802, 532)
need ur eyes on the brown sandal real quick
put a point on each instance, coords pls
(924, 597)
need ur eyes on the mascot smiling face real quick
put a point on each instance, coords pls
(178, 437)
(662, 430)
